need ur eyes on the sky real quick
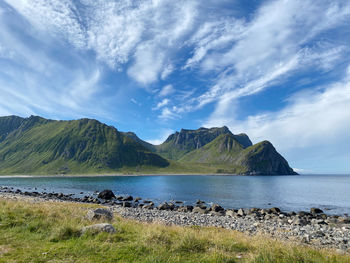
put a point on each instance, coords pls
(276, 70)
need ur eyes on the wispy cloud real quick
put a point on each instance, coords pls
(166, 90)
(161, 104)
(168, 114)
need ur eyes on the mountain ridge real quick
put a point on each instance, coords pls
(39, 145)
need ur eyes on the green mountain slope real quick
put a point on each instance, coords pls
(145, 144)
(223, 149)
(180, 143)
(9, 124)
(262, 158)
(259, 159)
(45, 146)
(36, 145)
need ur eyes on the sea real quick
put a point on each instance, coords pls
(329, 192)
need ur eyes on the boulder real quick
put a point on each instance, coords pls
(127, 204)
(274, 210)
(128, 198)
(230, 213)
(98, 228)
(166, 206)
(106, 194)
(217, 208)
(314, 211)
(186, 208)
(99, 213)
(198, 202)
(240, 212)
(149, 206)
(199, 210)
(137, 199)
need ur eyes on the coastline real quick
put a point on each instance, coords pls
(315, 230)
(124, 174)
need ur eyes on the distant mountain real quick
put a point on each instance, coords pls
(35, 145)
(38, 145)
(181, 143)
(261, 158)
(147, 145)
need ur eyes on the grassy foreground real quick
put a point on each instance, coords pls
(50, 232)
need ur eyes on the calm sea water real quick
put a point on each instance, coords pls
(290, 193)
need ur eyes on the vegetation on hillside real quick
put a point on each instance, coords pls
(36, 145)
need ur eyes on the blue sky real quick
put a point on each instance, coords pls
(276, 70)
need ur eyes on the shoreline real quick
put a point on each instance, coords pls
(312, 229)
(127, 175)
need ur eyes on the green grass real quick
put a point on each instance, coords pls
(50, 232)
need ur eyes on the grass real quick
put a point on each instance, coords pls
(50, 232)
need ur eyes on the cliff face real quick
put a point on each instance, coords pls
(263, 159)
(180, 143)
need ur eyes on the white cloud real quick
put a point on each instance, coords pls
(148, 64)
(59, 17)
(161, 104)
(143, 33)
(168, 69)
(166, 90)
(249, 56)
(167, 114)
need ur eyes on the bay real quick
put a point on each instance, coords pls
(290, 193)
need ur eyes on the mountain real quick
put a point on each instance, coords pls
(42, 146)
(9, 124)
(145, 144)
(259, 159)
(222, 149)
(180, 143)
(37, 145)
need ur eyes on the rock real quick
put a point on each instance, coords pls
(128, 198)
(217, 208)
(314, 211)
(240, 212)
(300, 222)
(274, 210)
(149, 206)
(164, 206)
(127, 204)
(303, 214)
(186, 208)
(305, 239)
(99, 213)
(106, 194)
(137, 199)
(98, 228)
(230, 213)
(344, 220)
(199, 210)
(198, 202)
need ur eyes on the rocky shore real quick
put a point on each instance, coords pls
(313, 228)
